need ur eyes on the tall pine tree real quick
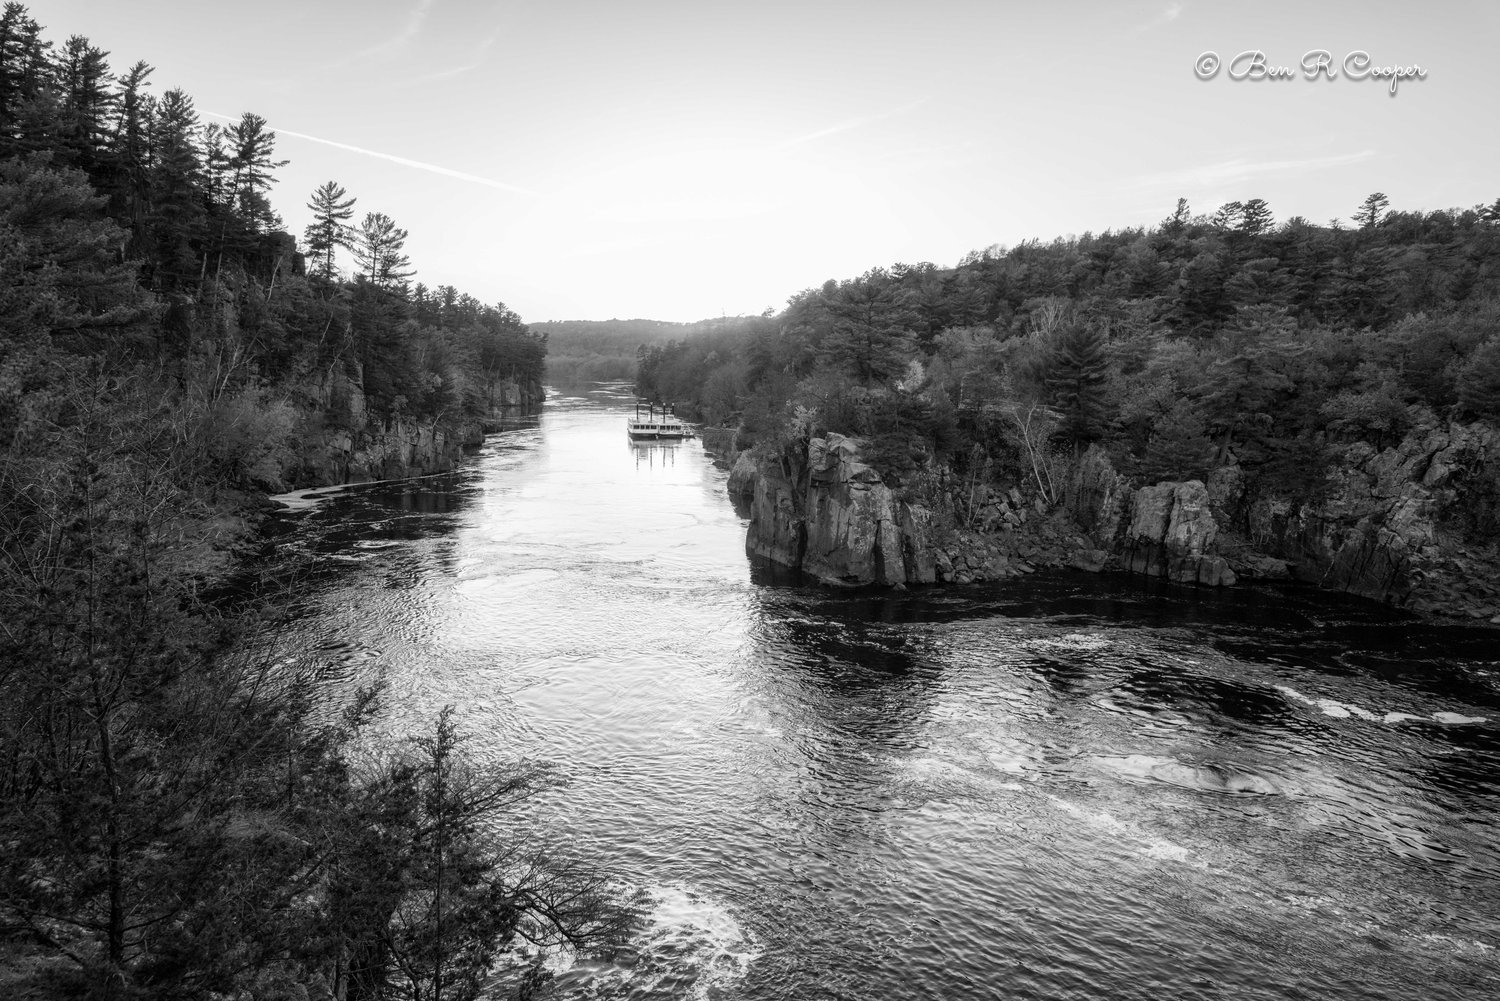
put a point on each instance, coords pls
(377, 250)
(83, 85)
(329, 229)
(1077, 380)
(253, 149)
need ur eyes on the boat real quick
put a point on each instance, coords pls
(655, 425)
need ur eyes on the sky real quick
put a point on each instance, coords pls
(686, 159)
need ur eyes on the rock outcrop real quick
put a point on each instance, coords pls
(397, 450)
(742, 477)
(1171, 534)
(1414, 525)
(818, 506)
(340, 441)
(1165, 530)
(823, 509)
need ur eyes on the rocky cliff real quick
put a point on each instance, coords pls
(820, 508)
(340, 441)
(1414, 525)
(1164, 530)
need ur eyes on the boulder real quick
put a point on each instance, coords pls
(823, 509)
(743, 476)
(1171, 534)
(1092, 560)
(1414, 524)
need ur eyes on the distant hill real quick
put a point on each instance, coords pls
(607, 350)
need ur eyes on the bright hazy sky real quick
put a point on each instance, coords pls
(679, 159)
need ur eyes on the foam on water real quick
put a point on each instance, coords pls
(1344, 710)
(312, 497)
(689, 946)
(1083, 642)
(1149, 845)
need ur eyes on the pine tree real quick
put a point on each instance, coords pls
(377, 250)
(1228, 215)
(1179, 447)
(1479, 382)
(130, 146)
(177, 220)
(1202, 300)
(1247, 383)
(253, 146)
(1255, 217)
(82, 76)
(1371, 209)
(870, 335)
(1077, 379)
(1178, 220)
(218, 167)
(330, 228)
(27, 102)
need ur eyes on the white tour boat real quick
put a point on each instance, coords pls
(655, 425)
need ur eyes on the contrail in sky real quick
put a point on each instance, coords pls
(853, 123)
(418, 164)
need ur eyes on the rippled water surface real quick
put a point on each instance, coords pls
(1071, 786)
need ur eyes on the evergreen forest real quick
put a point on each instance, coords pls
(1207, 339)
(182, 815)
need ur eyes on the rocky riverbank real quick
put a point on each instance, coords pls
(340, 441)
(1414, 525)
(820, 507)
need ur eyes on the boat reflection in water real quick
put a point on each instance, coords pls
(650, 453)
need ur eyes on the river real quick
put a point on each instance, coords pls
(1066, 786)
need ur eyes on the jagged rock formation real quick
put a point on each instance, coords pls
(1166, 530)
(821, 508)
(742, 477)
(1171, 534)
(341, 442)
(1414, 525)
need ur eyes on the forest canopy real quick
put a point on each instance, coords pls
(183, 812)
(1205, 339)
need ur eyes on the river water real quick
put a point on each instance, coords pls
(1068, 786)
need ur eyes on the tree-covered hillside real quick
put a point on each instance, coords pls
(1205, 339)
(611, 350)
(181, 813)
(141, 238)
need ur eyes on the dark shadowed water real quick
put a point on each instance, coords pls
(1071, 786)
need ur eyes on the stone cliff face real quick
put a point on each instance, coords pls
(341, 442)
(819, 507)
(1165, 530)
(1415, 525)
(822, 509)
(1172, 533)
